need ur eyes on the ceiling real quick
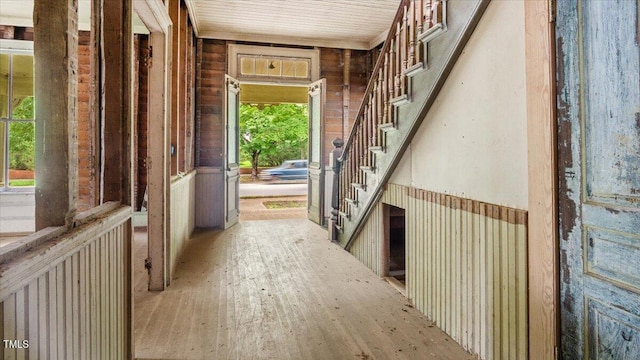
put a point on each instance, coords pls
(354, 24)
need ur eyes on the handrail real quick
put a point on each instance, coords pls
(387, 86)
(376, 69)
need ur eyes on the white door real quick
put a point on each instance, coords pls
(315, 207)
(232, 168)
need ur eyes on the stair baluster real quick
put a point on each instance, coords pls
(388, 85)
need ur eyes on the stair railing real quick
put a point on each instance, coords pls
(400, 55)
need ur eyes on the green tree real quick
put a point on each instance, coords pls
(22, 137)
(273, 134)
(24, 111)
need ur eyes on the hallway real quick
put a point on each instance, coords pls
(252, 293)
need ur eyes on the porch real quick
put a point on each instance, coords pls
(277, 289)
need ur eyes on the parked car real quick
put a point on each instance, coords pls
(288, 170)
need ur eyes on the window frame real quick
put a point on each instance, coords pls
(12, 47)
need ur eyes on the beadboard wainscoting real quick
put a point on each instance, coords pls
(466, 266)
(69, 295)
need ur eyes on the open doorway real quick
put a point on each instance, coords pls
(274, 75)
(274, 151)
(395, 246)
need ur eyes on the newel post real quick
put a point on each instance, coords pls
(334, 157)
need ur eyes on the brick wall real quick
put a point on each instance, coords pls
(16, 32)
(86, 128)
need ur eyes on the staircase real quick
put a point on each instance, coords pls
(424, 42)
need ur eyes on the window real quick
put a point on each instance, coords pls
(17, 125)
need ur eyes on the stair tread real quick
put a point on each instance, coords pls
(390, 126)
(403, 115)
(399, 100)
(351, 201)
(414, 69)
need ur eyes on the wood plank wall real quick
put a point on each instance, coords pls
(142, 118)
(190, 98)
(466, 267)
(211, 61)
(71, 298)
(332, 62)
(211, 65)
(182, 95)
(183, 192)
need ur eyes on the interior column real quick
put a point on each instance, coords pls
(56, 133)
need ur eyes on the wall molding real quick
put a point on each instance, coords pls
(498, 212)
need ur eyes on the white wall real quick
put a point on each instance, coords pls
(473, 141)
(182, 215)
(209, 197)
(17, 212)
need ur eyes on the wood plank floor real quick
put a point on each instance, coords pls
(277, 289)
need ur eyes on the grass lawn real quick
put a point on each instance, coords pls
(284, 204)
(22, 182)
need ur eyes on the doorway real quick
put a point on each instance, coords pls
(277, 134)
(274, 151)
(395, 246)
(276, 75)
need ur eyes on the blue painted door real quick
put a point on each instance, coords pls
(598, 110)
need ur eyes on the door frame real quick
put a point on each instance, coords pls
(543, 246)
(156, 18)
(291, 84)
(231, 170)
(317, 169)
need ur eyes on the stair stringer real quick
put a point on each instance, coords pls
(441, 54)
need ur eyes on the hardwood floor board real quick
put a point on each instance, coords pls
(278, 289)
(284, 305)
(315, 340)
(254, 303)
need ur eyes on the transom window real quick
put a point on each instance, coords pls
(268, 65)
